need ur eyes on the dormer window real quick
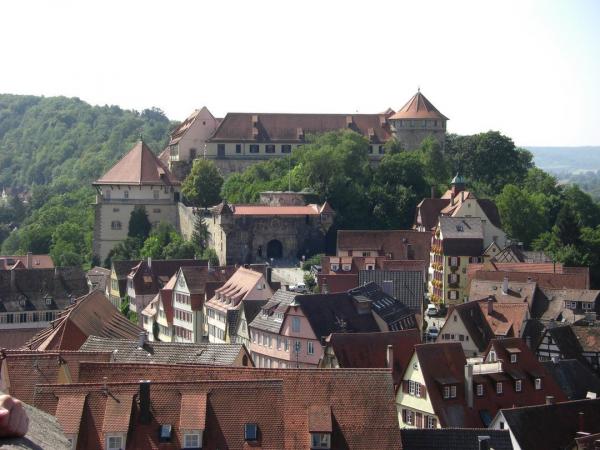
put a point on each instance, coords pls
(499, 387)
(538, 384)
(250, 432)
(192, 439)
(492, 356)
(320, 440)
(370, 267)
(479, 390)
(513, 358)
(335, 267)
(115, 442)
(449, 392)
(346, 267)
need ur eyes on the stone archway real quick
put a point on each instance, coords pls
(274, 249)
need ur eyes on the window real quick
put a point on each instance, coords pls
(115, 225)
(165, 433)
(513, 358)
(116, 209)
(250, 432)
(278, 342)
(296, 324)
(269, 148)
(346, 267)
(452, 391)
(538, 384)
(297, 346)
(192, 440)
(107, 194)
(479, 390)
(446, 392)
(409, 417)
(286, 345)
(156, 194)
(453, 261)
(381, 149)
(238, 148)
(286, 148)
(492, 356)
(221, 149)
(335, 267)
(370, 149)
(23, 317)
(114, 442)
(431, 422)
(310, 348)
(156, 210)
(455, 316)
(126, 194)
(253, 148)
(518, 385)
(499, 387)
(320, 440)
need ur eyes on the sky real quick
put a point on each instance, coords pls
(530, 69)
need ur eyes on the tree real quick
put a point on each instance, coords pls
(202, 187)
(211, 255)
(435, 167)
(523, 215)
(139, 225)
(128, 249)
(200, 235)
(568, 229)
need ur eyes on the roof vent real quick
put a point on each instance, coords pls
(165, 433)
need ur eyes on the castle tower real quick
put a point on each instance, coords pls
(416, 120)
(139, 178)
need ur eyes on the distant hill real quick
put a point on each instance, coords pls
(43, 139)
(561, 160)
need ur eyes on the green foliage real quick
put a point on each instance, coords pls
(128, 249)
(310, 282)
(165, 243)
(523, 214)
(488, 160)
(131, 315)
(211, 256)
(139, 225)
(202, 187)
(200, 234)
(567, 228)
(314, 260)
(435, 166)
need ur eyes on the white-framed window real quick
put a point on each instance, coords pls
(115, 225)
(335, 267)
(431, 422)
(125, 194)
(518, 386)
(346, 267)
(278, 342)
(449, 392)
(453, 261)
(286, 345)
(499, 387)
(492, 356)
(114, 443)
(320, 440)
(156, 194)
(538, 384)
(192, 439)
(513, 357)
(409, 417)
(452, 391)
(479, 390)
(310, 348)
(296, 324)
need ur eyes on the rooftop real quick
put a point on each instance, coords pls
(418, 107)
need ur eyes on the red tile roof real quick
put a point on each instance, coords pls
(90, 315)
(262, 210)
(139, 167)
(13, 338)
(69, 410)
(400, 244)
(565, 280)
(7, 262)
(193, 410)
(361, 400)
(369, 350)
(268, 127)
(418, 107)
(319, 419)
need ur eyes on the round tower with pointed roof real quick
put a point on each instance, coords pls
(416, 120)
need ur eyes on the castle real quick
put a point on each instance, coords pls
(241, 139)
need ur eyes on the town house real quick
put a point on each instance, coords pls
(456, 242)
(117, 284)
(442, 388)
(221, 311)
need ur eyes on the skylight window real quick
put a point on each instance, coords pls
(250, 432)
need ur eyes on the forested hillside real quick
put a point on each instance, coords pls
(50, 151)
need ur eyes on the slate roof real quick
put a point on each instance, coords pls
(166, 352)
(44, 432)
(461, 227)
(552, 427)
(408, 287)
(400, 244)
(389, 308)
(91, 315)
(453, 439)
(267, 319)
(334, 313)
(140, 166)
(573, 377)
(373, 425)
(293, 128)
(418, 107)
(40, 289)
(362, 350)
(98, 277)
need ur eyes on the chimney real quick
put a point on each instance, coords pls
(550, 400)
(483, 442)
(505, 285)
(29, 260)
(388, 287)
(389, 357)
(432, 192)
(324, 287)
(452, 197)
(269, 275)
(490, 306)
(149, 262)
(462, 196)
(144, 401)
(581, 421)
(469, 385)
(141, 339)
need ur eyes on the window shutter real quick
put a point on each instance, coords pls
(403, 415)
(419, 421)
(458, 260)
(423, 391)
(449, 278)
(405, 386)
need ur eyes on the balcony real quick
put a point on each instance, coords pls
(484, 368)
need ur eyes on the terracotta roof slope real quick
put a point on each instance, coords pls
(418, 107)
(140, 166)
